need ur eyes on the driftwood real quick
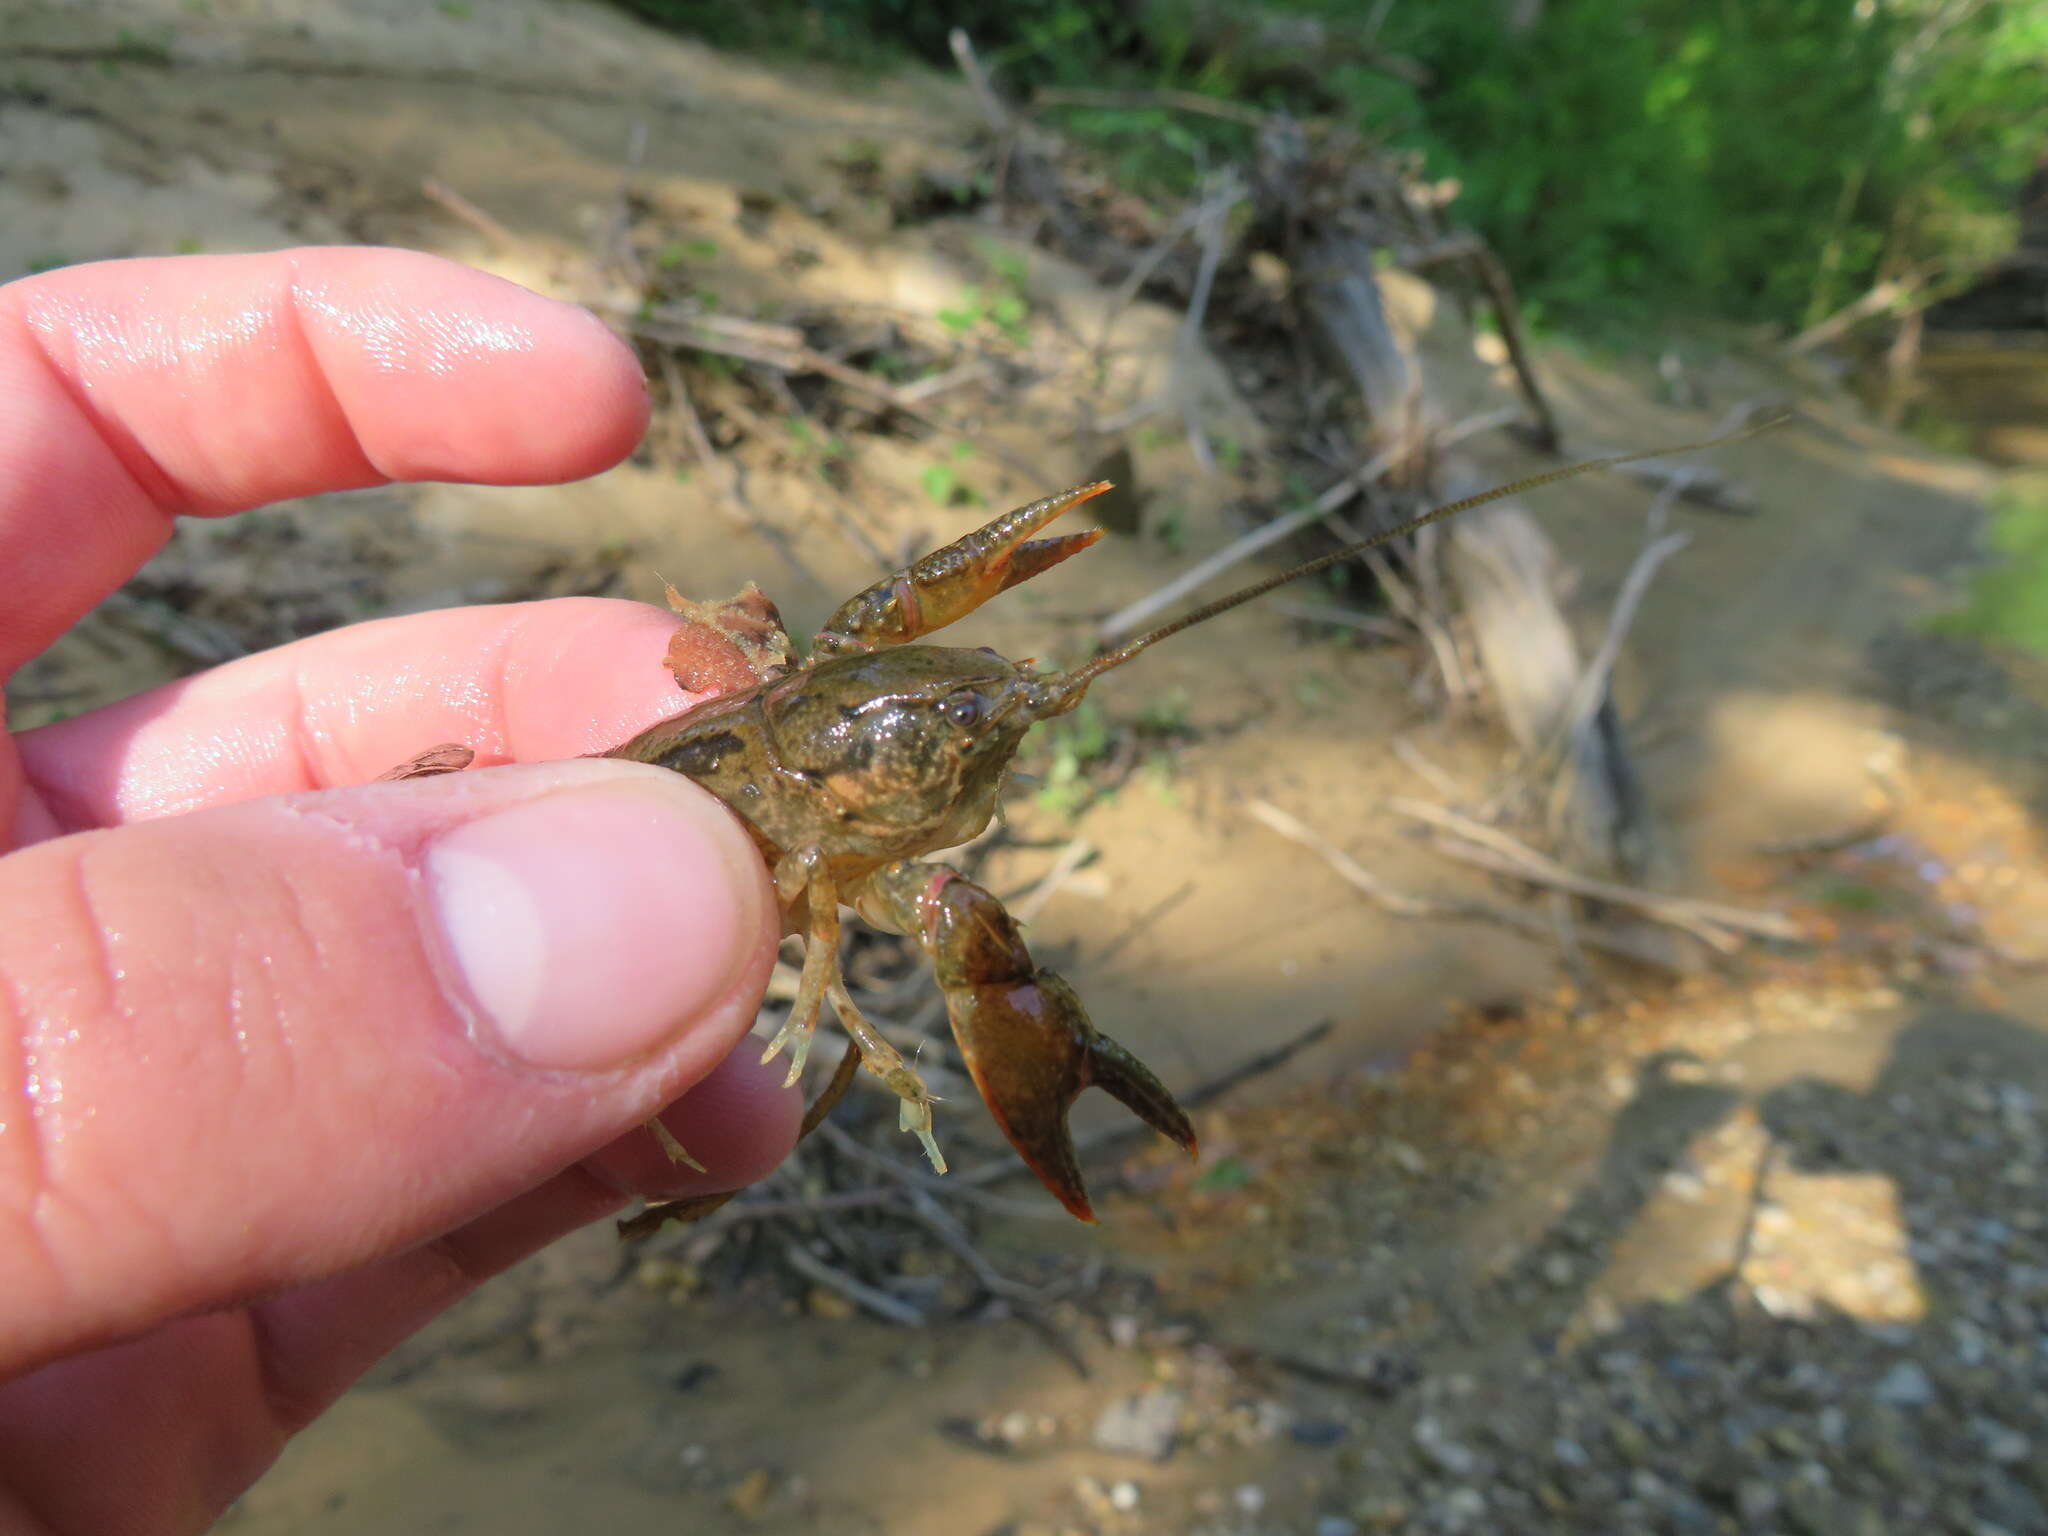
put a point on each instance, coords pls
(1504, 570)
(1712, 922)
(1399, 903)
(1341, 297)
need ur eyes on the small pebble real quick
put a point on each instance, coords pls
(1147, 1425)
(1905, 1385)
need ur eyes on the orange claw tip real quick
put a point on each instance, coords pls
(1081, 493)
(1030, 559)
(1077, 1206)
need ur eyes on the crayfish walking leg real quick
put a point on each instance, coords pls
(804, 875)
(1028, 1042)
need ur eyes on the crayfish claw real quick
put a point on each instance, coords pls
(1031, 1098)
(1039, 1135)
(1130, 1082)
(952, 582)
(1027, 1041)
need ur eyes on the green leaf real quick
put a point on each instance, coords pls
(1225, 1174)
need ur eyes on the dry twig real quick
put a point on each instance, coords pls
(1216, 210)
(881, 1303)
(451, 201)
(1592, 685)
(1713, 923)
(1130, 617)
(1500, 293)
(1072, 857)
(783, 348)
(1180, 101)
(1879, 298)
(1401, 903)
(1190, 217)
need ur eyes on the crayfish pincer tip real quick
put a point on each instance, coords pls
(1128, 1080)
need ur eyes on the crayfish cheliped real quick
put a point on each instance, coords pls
(850, 765)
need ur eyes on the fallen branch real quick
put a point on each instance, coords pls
(1072, 857)
(1592, 685)
(879, 1302)
(1124, 101)
(1043, 187)
(1400, 903)
(771, 347)
(733, 491)
(941, 383)
(1425, 767)
(1376, 625)
(1257, 1066)
(1697, 484)
(1712, 922)
(1190, 217)
(1215, 211)
(1877, 299)
(1500, 294)
(1415, 608)
(451, 201)
(1129, 618)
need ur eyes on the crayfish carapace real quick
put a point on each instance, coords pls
(850, 765)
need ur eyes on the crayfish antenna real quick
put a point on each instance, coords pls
(1059, 693)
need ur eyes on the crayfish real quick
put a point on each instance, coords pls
(850, 765)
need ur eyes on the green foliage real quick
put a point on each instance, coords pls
(1763, 159)
(942, 482)
(1167, 714)
(1314, 691)
(822, 451)
(1001, 304)
(856, 31)
(1754, 158)
(1852, 896)
(2009, 601)
(1072, 745)
(678, 253)
(1227, 1173)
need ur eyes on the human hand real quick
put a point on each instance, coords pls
(287, 1066)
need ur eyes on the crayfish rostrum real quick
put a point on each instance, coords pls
(849, 765)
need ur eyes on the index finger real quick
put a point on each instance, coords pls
(133, 391)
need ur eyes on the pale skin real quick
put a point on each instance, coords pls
(254, 1047)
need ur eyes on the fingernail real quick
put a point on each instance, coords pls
(590, 924)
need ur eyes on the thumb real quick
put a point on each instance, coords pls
(255, 1045)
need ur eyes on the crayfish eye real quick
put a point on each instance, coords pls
(964, 709)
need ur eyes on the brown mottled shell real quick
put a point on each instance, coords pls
(720, 647)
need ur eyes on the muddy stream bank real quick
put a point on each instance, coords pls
(1758, 1248)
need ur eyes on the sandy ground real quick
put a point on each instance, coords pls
(1758, 1253)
